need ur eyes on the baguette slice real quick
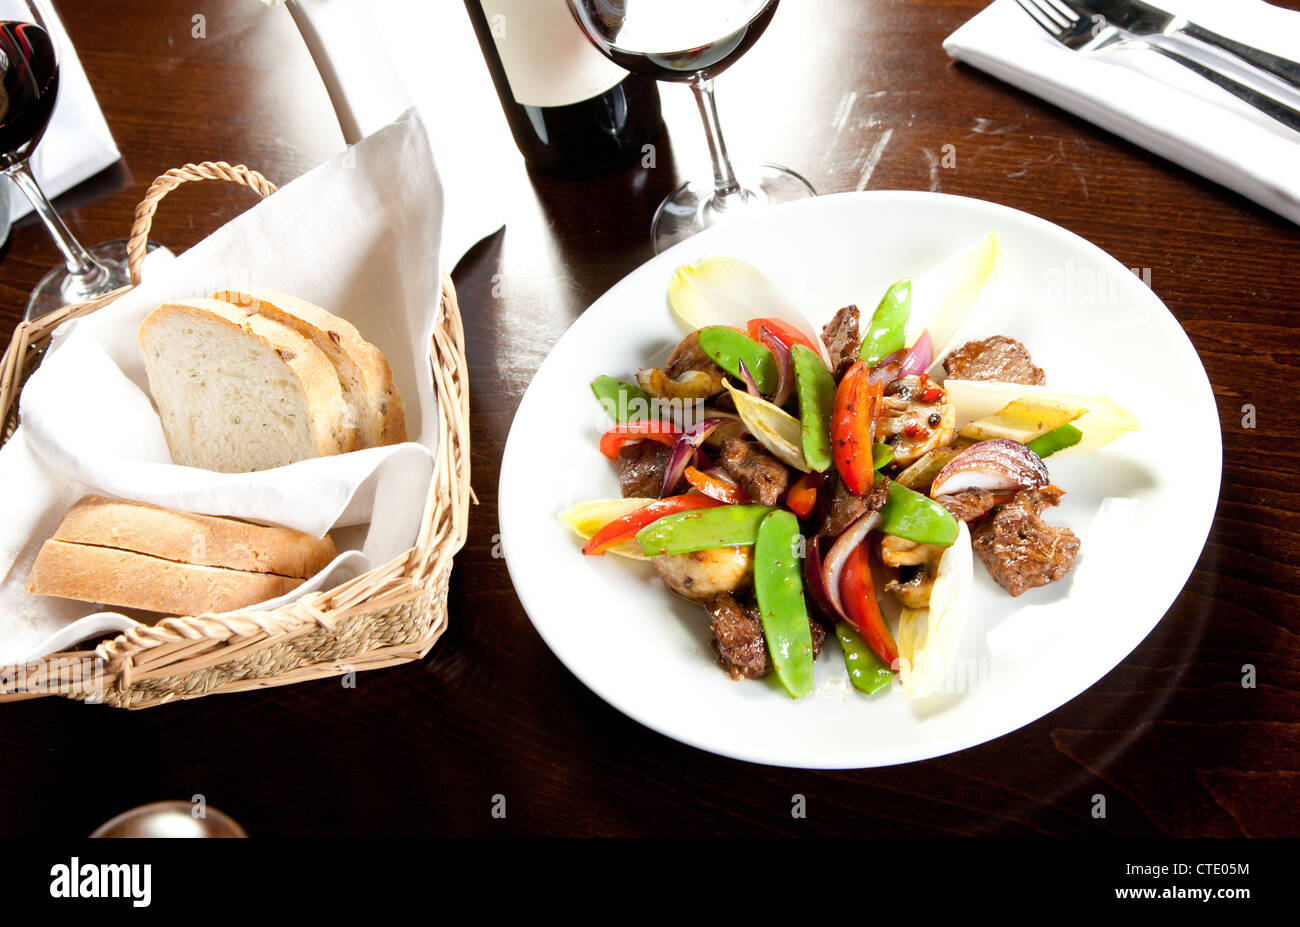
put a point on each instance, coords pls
(363, 369)
(239, 392)
(133, 580)
(204, 540)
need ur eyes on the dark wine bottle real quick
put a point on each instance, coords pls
(572, 112)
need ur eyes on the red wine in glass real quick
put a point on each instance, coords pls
(29, 87)
(692, 41)
(643, 52)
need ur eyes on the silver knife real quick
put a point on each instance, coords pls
(1143, 19)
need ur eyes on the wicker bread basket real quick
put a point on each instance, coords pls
(392, 614)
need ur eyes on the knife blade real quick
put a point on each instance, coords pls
(1143, 19)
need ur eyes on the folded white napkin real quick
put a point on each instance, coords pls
(358, 235)
(377, 57)
(1152, 101)
(77, 144)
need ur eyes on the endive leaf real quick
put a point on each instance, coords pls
(927, 637)
(775, 429)
(727, 291)
(1103, 422)
(944, 296)
(586, 518)
(1023, 419)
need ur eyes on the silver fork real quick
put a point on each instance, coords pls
(1088, 35)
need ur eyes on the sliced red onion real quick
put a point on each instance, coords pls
(998, 465)
(919, 357)
(815, 583)
(718, 473)
(887, 369)
(687, 449)
(844, 545)
(748, 377)
(723, 476)
(779, 349)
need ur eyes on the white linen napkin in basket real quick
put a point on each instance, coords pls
(77, 144)
(358, 235)
(1152, 101)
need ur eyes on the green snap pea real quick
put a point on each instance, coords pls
(702, 529)
(815, 386)
(888, 325)
(625, 402)
(881, 454)
(778, 587)
(866, 672)
(1058, 439)
(729, 347)
(915, 517)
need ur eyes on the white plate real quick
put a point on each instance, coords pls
(1088, 324)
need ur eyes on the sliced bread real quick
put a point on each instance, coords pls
(133, 555)
(206, 540)
(238, 392)
(364, 371)
(128, 579)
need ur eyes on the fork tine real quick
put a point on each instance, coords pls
(1070, 13)
(1038, 15)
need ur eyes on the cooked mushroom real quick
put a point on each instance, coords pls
(705, 573)
(915, 418)
(688, 374)
(924, 558)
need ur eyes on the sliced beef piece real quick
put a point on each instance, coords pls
(818, 636)
(842, 508)
(737, 638)
(642, 466)
(759, 473)
(842, 339)
(1021, 550)
(968, 505)
(738, 643)
(995, 358)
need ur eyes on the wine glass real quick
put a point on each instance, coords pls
(29, 86)
(170, 819)
(692, 41)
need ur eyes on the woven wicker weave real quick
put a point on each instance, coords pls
(392, 614)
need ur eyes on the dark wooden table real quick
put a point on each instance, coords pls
(1171, 737)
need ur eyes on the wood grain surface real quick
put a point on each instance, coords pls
(1170, 737)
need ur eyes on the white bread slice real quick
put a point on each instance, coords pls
(207, 540)
(132, 580)
(362, 367)
(239, 392)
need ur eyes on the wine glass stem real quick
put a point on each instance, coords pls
(724, 179)
(81, 265)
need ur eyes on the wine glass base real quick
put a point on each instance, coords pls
(694, 207)
(59, 288)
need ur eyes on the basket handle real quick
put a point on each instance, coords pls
(207, 170)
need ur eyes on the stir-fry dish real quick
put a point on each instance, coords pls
(799, 486)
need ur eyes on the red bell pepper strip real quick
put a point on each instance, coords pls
(863, 611)
(647, 429)
(853, 428)
(716, 488)
(802, 495)
(622, 529)
(783, 332)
